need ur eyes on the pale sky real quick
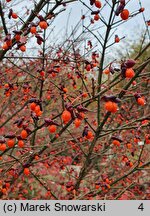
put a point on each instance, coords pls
(131, 29)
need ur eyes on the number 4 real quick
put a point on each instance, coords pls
(141, 207)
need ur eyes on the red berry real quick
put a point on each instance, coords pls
(141, 9)
(10, 143)
(117, 39)
(14, 16)
(20, 143)
(106, 71)
(17, 37)
(26, 171)
(66, 116)
(43, 24)
(124, 14)
(111, 106)
(89, 135)
(98, 4)
(141, 101)
(5, 46)
(129, 145)
(116, 142)
(2, 147)
(96, 17)
(24, 134)
(32, 106)
(37, 109)
(129, 73)
(23, 48)
(88, 67)
(33, 30)
(77, 122)
(52, 128)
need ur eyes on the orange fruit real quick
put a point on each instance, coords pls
(66, 116)
(84, 94)
(33, 30)
(141, 101)
(17, 37)
(42, 73)
(89, 135)
(37, 109)
(129, 145)
(77, 122)
(111, 106)
(39, 113)
(117, 39)
(65, 90)
(129, 73)
(10, 143)
(96, 17)
(2, 147)
(20, 143)
(32, 106)
(24, 134)
(4, 190)
(52, 128)
(9, 43)
(43, 24)
(97, 186)
(23, 48)
(26, 171)
(5, 46)
(98, 4)
(116, 142)
(14, 16)
(124, 14)
(115, 108)
(106, 71)
(88, 67)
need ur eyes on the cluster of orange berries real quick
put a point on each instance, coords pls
(8, 41)
(97, 4)
(11, 141)
(67, 116)
(36, 109)
(127, 161)
(105, 185)
(4, 187)
(10, 144)
(9, 88)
